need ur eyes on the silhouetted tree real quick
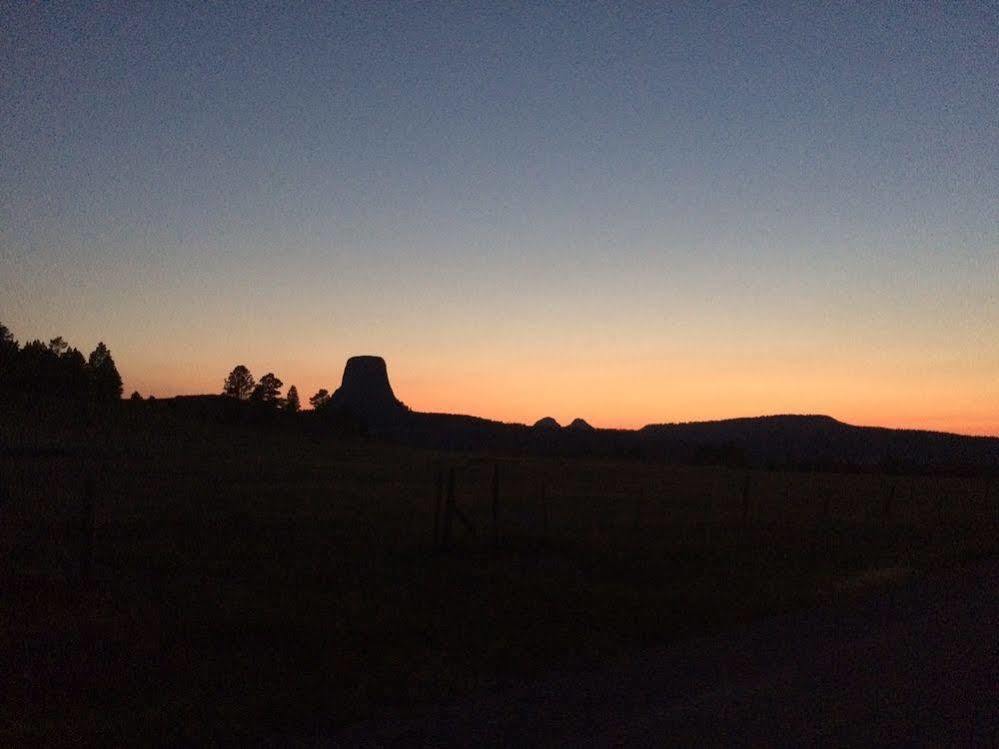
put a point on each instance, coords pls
(292, 404)
(34, 369)
(72, 380)
(268, 390)
(104, 378)
(8, 353)
(239, 384)
(135, 396)
(58, 346)
(320, 399)
(6, 337)
(46, 369)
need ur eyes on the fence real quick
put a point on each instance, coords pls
(489, 500)
(467, 503)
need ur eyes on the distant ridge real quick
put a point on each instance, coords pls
(801, 418)
(787, 440)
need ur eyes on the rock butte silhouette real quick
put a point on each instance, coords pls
(580, 425)
(366, 393)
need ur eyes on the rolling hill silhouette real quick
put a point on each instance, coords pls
(547, 423)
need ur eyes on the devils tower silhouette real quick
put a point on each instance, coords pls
(366, 394)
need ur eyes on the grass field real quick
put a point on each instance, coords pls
(259, 584)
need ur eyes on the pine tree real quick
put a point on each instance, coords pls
(320, 399)
(268, 390)
(292, 403)
(239, 384)
(105, 382)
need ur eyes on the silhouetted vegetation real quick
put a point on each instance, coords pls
(236, 587)
(104, 378)
(8, 347)
(438, 552)
(57, 369)
(239, 384)
(291, 403)
(268, 391)
(320, 399)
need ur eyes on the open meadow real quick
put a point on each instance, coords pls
(170, 579)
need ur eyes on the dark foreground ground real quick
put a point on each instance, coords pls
(914, 665)
(169, 580)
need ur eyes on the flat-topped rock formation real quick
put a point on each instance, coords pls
(366, 394)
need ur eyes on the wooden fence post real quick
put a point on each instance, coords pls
(438, 500)
(495, 504)
(448, 509)
(889, 497)
(86, 548)
(745, 498)
(544, 510)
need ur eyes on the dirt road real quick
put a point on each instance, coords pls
(917, 664)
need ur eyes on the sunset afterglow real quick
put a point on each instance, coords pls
(627, 215)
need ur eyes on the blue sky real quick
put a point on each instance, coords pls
(486, 192)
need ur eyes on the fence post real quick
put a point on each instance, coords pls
(86, 548)
(544, 510)
(448, 509)
(889, 497)
(639, 496)
(495, 504)
(745, 498)
(438, 499)
(4, 498)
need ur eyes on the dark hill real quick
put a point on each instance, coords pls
(547, 423)
(808, 441)
(824, 441)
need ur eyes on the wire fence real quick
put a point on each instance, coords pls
(75, 517)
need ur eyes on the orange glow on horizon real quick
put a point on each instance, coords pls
(629, 395)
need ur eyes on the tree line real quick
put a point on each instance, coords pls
(241, 385)
(57, 369)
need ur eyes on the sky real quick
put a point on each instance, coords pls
(620, 212)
